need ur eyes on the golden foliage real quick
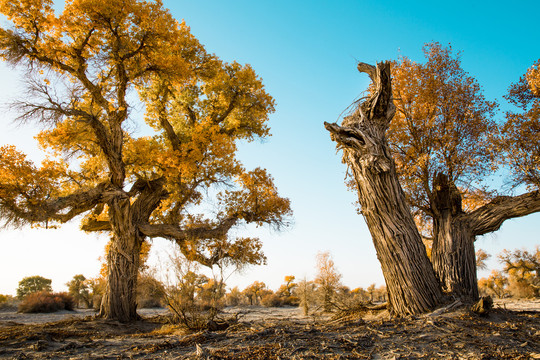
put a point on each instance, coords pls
(521, 131)
(83, 64)
(442, 124)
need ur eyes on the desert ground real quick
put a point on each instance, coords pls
(510, 331)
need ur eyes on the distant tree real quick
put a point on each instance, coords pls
(523, 269)
(287, 288)
(233, 297)
(78, 288)
(371, 291)
(150, 291)
(327, 278)
(306, 292)
(32, 284)
(496, 284)
(84, 68)
(254, 292)
(481, 257)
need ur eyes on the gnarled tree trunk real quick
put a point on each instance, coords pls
(119, 302)
(410, 279)
(453, 255)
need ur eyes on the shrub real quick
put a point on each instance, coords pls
(150, 292)
(7, 302)
(291, 300)
(271, 300)
(46, 302)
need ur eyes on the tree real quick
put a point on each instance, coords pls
(287, 288)
(444, 141)
(481, 257)
(520, 133)
(495, 284)
(32, 284)
(254, 292)
(85, 68)
(327, 278)
(410, 279)
(78, 288)
(523, 269)
(306, 293)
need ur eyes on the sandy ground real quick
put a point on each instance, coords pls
(511, 331)
(248, 313)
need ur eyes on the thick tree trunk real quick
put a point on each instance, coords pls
(119, 302)
(453, 255)
(410, 279)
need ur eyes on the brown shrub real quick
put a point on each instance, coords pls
(271, 300)
(291, 300)
(8, 303)
(45, 302)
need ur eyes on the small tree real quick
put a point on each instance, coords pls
(306, 292)
(327, 278)
(496, 284)
(287, 288)
(78, 288)
(523, 269)
(254, 292)
(32, 284)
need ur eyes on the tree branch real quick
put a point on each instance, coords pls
(176, 233)
(346, 136)
(55, 209)
(490, 217)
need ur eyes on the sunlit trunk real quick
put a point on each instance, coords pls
(119, 302)
(453, 254)
(410, 279)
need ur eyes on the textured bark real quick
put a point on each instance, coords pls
(491, 216)
(410, 279)
(119, 302)
(453, 254)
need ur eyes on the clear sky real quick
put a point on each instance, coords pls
(306, 54)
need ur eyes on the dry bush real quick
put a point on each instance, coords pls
(8, 303)
(46, 302)
(271, 300)
(291, 300)
(328, 280)
(150, 291)
(233, 297)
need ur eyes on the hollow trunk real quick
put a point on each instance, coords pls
(410, 279)
(453, 255)
(119, 302)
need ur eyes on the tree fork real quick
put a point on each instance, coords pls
(410, 279)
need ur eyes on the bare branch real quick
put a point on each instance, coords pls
(490, 217)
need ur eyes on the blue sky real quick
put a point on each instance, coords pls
(306, 54)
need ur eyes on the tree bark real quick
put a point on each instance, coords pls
(119, 302)
(410, 279)
(453, 255)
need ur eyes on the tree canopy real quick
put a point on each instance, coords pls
(443, 124)
(32, 284)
